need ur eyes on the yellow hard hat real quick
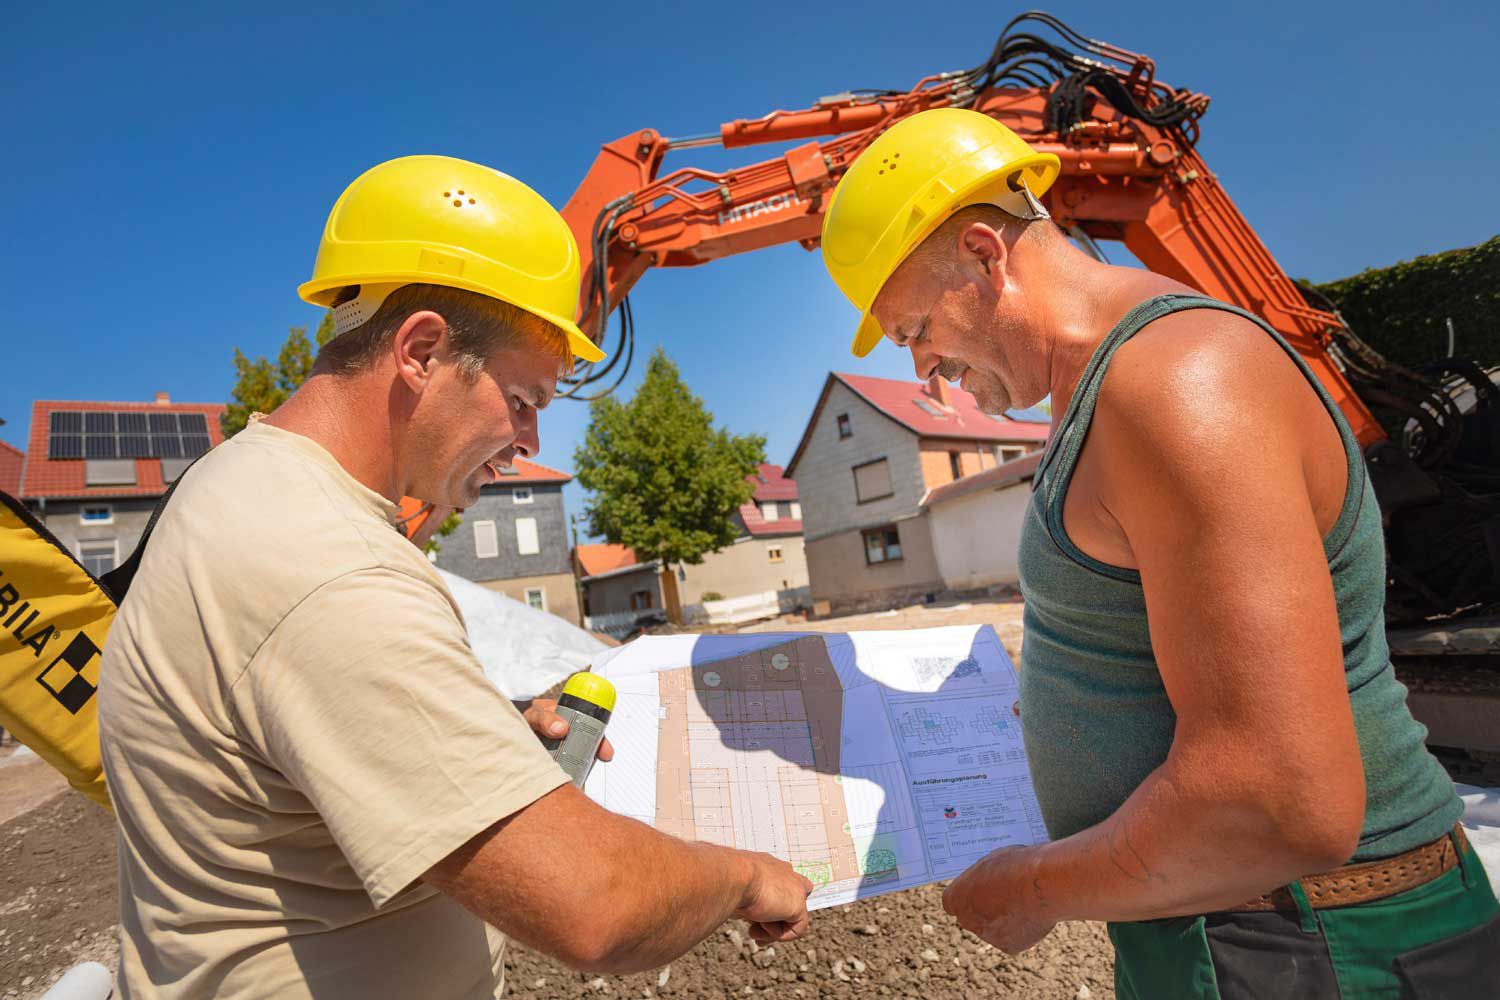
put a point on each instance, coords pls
(443, 221)
(912, 178)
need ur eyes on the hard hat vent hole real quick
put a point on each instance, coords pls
(447, 194)
(471, 201)
(460, 192)
(457, 202)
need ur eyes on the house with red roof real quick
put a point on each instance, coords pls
(94, 471)
(514, 540)
(12, 459)
(872, 452)
(766, 561)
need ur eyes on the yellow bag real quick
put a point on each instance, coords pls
(54, 616)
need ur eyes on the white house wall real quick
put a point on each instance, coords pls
(976, 538)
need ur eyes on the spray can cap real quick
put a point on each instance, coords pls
(591, 688)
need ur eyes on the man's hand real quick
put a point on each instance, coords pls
(776, 903)
(998, 900)
(542, 715)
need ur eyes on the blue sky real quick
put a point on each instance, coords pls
(168, 171)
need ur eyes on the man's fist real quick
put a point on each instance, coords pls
(776, 903)
(546, 723)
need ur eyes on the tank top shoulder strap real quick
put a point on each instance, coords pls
(1056, 468)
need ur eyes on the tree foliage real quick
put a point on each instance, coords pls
(661, 479)
(1403, 310)
(260, 386)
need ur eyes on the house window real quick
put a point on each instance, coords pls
(521, 494)
(1008, 453)
(844, 428)
(956, 464)
(537, 598)
(526, 540)
(101, 513)
(486, 545)
(98, 557)
(796, 513)
(882, 545)
(640, 600)
(872, 481)
(770, 511)
(774, 552)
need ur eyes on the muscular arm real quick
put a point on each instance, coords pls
(1205, 465)
(608, 894)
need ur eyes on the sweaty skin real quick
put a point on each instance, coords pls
(563, 875)
(1212, 468)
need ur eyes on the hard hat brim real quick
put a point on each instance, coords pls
(867, 336)
(321, 293)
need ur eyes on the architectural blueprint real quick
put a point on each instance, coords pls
(872, 761)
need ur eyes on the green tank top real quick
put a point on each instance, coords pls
(1094, 713)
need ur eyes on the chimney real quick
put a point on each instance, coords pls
(162, 399)
(937, 388)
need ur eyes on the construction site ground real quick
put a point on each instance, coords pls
(58, 905)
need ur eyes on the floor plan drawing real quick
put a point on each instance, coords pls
(869, 761)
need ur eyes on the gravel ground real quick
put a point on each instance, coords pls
(900, 945)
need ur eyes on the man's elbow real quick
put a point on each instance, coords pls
(1318, 825)
(602, 937)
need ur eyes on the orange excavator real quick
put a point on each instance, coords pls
(1130, 173)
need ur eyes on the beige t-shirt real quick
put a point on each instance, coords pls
(294, 729)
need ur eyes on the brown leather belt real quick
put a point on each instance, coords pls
(1369, 880)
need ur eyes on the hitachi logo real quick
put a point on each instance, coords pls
(765, 206)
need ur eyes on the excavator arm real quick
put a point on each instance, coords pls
(1128, 173)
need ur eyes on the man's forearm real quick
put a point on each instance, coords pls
(1172, 849)
(666, 895)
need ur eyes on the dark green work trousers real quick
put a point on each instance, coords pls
(1439, 940)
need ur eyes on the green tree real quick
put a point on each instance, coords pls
(661, 478)
(260, 386)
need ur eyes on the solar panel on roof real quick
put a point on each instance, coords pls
(66, 422)
(100, 446)
(65, 446)
(123, 434)
(166, 446)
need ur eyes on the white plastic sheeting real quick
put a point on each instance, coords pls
(1481, 822)
(524, 651)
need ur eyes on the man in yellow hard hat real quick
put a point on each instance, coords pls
(319, 794)
(1211, 719)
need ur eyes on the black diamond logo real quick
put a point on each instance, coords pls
(70, 688)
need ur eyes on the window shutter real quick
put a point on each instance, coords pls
(526, 540)
(486, 545)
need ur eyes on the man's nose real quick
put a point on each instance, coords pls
(925, 361)
(528, 441)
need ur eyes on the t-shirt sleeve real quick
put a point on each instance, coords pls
(369, 700)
